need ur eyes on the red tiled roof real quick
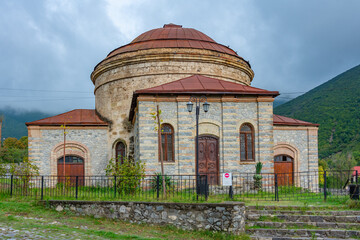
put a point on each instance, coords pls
(281, 120)
(85, 117)
(172, 36)
(206, 85)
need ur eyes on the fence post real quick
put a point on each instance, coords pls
(157, 186)
(276, 188)
(76, 187)
(356, 178)
(42, 187)
(11, 185)
(206, 188)
(114, 186)
(325, 191)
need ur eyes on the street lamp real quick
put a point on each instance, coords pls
(189, 106)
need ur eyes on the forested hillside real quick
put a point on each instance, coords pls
(14, 121)
(335, 105)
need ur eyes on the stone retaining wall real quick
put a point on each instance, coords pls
(227, 217)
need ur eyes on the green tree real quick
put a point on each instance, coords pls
(10, 143)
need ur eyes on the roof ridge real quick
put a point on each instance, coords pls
(198, 78)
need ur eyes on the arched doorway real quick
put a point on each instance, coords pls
(284, 168)
(120, 152)
(209, 158)
(74, 167)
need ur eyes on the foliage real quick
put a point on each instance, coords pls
(335, 106)
(321, 175)
(12, 155)
(129, 174)
(3, 170)
(23, 173)
(342, 160)
(168, 182)
(14, 151)
(257, 177)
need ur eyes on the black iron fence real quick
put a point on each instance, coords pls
(245, 186)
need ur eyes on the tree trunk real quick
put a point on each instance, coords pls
(161, 151)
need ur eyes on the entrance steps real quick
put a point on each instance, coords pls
(281, 223)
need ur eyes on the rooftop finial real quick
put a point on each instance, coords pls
(171, 25)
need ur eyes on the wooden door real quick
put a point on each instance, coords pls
(284, 168)
(209, 158)
(74, 167)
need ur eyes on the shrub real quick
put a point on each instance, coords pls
(128, 174)
(24, 172)
(257, 177)
(168, 182)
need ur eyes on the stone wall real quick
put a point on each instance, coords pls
(303, 140)
(46, 146)
(301, 143)
(227, 217)
(116, 79)
(226, 115)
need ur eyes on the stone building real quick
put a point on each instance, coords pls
(164, 67)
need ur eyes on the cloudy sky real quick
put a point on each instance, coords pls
(48, 48)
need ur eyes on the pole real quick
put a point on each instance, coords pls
(64, 153)
(11, 185)
(114, 186)
(42, 187)
(276, 188)
(325, 193)
(197, 149)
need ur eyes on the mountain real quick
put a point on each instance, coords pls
(14, 121)
(335, 105)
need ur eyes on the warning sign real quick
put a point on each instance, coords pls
(227, 179)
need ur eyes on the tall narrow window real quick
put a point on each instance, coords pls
(167, 142)
(247, 143)
(120, 152)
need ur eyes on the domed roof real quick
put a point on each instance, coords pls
(172, 36)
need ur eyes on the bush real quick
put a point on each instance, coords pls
(128, 174)
(168, 182)
(257, 177)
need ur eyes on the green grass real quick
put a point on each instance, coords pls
(27, 215)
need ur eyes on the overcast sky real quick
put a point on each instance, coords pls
(48, 49)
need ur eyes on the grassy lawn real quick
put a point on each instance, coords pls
(28, 220)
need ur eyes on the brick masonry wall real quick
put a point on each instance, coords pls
(226, 217)
(304, 140)
(223, 120)
(117, 78)
(46, 146)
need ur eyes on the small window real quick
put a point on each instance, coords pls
(120, 152)
(247, 148)
(167, 142)
(283, 158)
(71, 160)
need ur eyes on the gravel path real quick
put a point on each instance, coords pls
(37, 228)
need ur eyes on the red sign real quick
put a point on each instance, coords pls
(227, 175)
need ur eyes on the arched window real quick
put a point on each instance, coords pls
(247, 148)
(120, 152)
(71, 159)
(167, 142)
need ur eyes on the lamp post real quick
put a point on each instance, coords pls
(206, 106)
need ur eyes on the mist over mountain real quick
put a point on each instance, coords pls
(14, 121)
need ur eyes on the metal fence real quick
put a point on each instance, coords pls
(245, 186)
